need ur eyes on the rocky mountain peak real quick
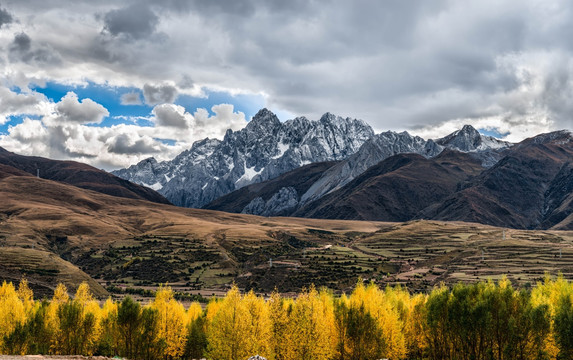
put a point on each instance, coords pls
(466, 139)
(470, 130)
(559, 137)
(263, 119)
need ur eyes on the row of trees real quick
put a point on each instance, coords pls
(485, 320)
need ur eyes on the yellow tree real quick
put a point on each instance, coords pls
(78, 331)
(12, 311)
(311, 329)
(196, 332)
(549, 293)
(414, 326)
(89, 309)
(52, 320)
(240, 328)
(26, 296)
(258, 327)
(380, 306)
(172, 322)
(193, 312)
(109, 337)
(278, 314)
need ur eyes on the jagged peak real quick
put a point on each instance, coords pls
(206, 141)
(469, 129)
(149, 160)
(331, 118)
(264, 118)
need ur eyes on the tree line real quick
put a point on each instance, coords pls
(485, 320)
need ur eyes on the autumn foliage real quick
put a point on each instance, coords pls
(486, 320)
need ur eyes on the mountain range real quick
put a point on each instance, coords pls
(267, 148)
(529, 187)
(264, 149)
(338, 168)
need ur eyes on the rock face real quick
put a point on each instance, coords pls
(260, 198)
(283, 202)
(264, 149)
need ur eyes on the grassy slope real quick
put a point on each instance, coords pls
(53, 232)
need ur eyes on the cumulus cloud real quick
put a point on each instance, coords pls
(215, 126)
(131, 98)
(172, 115)
(13, 103)
(182, 125)
(86, 111)
(135, 21)
(159, 94)
(64, 130)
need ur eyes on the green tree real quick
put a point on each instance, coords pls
(128, 323)
(564, 328)
(196, 339)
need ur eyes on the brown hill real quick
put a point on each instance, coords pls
(80, 175)
(397, 188)
(529, 188)
(51, 232)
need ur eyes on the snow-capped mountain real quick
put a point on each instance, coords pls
(486, 148)
(287, 199)
(264, 149)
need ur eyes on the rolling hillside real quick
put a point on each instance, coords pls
(52, 232)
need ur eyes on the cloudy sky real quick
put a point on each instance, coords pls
(112, 82)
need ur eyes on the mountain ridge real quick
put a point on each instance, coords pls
(267, 148)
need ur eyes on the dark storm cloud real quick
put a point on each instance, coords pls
(159, 94)
(135, 21)
(5, 17)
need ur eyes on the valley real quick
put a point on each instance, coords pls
(52, 232)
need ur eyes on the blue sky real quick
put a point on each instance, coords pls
(109, 97)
